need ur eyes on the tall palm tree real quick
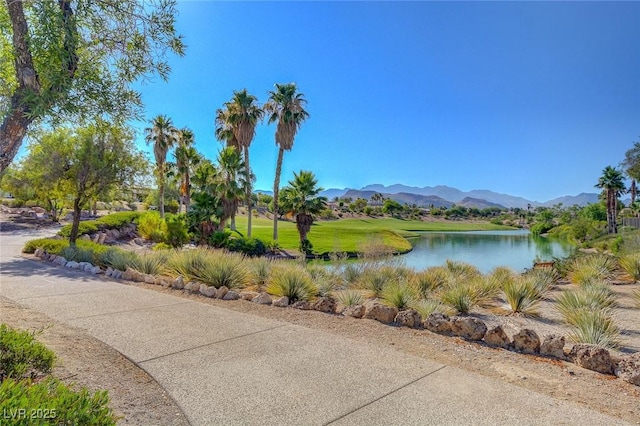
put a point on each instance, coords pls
(186, 158)
(230, 185)
(612, 184)
(163, 135)
(301, 199)
(286, 107)
(241, 116)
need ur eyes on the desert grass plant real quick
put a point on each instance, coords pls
(593, 267)
(152, 263)
(375, 279)
(223, 269)
(399, 295)
(630, 263)
(635, 295)
(186, 263)
(430, 280)
(590, 298)
(462, 271)
(260, 269)
(426, 307)
(291, 281)
(78, 254)
(596, 328)
(349, 297)
(461, 297)
(543, 279)
(522, 296)
(119, 259)
(351, 272)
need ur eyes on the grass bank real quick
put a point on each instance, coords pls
(348, 235)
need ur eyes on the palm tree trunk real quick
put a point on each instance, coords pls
(276, 190)
(161, 197)
(249, 200)
(187, 196)
(233, 222)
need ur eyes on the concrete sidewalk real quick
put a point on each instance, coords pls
(225, 367)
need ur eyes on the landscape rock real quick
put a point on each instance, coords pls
(262, 299)
(553, 345)
(468, 328)
(59, 260)
(592, 357)
(208, 291)
(149, 279)
(355, 311)
(192, 286)
(628, 369)
(38, 252)
(281, 302)
(497, 337)
(438, 322)
(178, 283)
(324, 304)
(526, 341)
(379, 312)
(88, 267)
(408, 318)
(96, 270)
(231, 295)
(109, 271)
(72, 264)
(303, 305)
(248, 295)
(222, 291)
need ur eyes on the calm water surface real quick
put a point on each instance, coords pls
(484, 249)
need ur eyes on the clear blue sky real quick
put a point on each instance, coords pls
(533, 99)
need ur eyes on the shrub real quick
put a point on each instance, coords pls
(77, 254)
(522, 296)
(399, 295)
(49, 244)
(460, 296)
(592, 297)
(186, 263)
(376, 278)
(595, 328)
(350, 297)
(119, 259)
(260, 271)
(219, 239)
(223, 270)
(631, 265)
(461, 271)
(430, 279)
(593, 267)
(22, 356)
(291, 281)
(253, 247)
(177, 234)
(85, 227)
(352, 272)
(151, 263)
(58, 401)
(426, 307)
(152, 227)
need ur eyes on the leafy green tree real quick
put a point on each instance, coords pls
(286, 107)
(241, 116)
(230, 184)
(163, 136)
(301, 199)
(187, 157)
(203, 217)
(631, 166)
(612, 184)
(392, 207)
(76, 60)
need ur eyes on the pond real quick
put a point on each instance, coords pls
(485, 249)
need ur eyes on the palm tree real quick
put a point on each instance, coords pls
(301, 199)
(612, 184)
(240, 117)
(286, 107)
(186, 158)
(163, 136)
(230, 185)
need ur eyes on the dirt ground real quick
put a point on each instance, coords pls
(141, 401)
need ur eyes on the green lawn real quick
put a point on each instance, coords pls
(349, 234)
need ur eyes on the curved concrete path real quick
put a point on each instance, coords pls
(229, 368)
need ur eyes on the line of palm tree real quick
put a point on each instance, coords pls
(301, 199)
(186, 158)
(240, 117)
(612, 184)
(163, 135)
(286, 107)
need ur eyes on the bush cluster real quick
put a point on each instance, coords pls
(111, 221)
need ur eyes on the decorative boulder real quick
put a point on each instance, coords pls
(379, 312)
(355, 311)
(192, 286)
(208, 291)
(324, 304)
(592, 358)
(96, 270)
(38, 252)
(628, 369)
(178, 283)
(231, 295)
(303, 305)
(526, 341)
(497, 337)
(408, 318)
(89, 267)
(262, 299)
(109, 271)
(59, 260)
(222, 291)
(281, 302)
(149, 279)
(72, 264)
(248, 295)
(438, 323)
(468, 328)
(553, 345)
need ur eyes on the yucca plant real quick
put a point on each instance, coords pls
(426, 307)
(223, 269)
(186, 263)
(501, 275)
(594, 267)
(461, 270)
(119, 259)
(350, 297)
(487, 290)
(325, 280)
(151, 263)
(400, 295)
(430, 280)
(543, 279)
(260, 269)
(375, 279)
(460, 296)
(77, 254)
(631, 265)
(352, 272)
(596, 328)
(593, 297)
(291, 281)
(522, 296)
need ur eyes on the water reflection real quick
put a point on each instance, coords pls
(485, 249)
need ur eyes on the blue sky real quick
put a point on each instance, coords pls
(533, 99)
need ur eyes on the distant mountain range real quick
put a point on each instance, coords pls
(446, 196)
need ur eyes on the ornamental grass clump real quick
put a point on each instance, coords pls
(592, 297)
(460, 296)
(426, 307)
(630, 263)
(461, 271)
(596, 328)
(151, 263)
(430, 280)
(260, 269)
(522, 296)
(291, 281)
(325, 280)
(375, 279)
(542, 279)
(223, 269)
(399, 295)
(351, 272)
(594, 267)
(350, 297)
(185, 263)
(119, 259)
(77, 254)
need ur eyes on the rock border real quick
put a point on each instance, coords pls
(525, 341)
